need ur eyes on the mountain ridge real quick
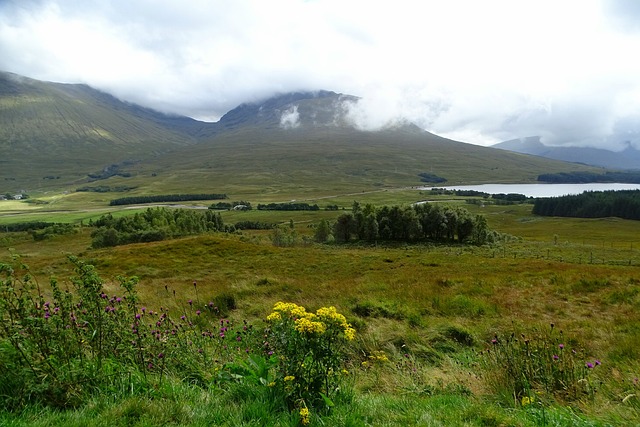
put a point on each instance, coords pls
(68, 134)
(629, 158)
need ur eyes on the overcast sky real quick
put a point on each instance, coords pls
(477, 71)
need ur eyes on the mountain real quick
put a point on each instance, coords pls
(50, 130)
(61, 136)
(629, 158)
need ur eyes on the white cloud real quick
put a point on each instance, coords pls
(478, 71)
(290, 118)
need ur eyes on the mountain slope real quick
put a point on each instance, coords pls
(629, 158)
(50, 130)
(55, 135)
(261, 151)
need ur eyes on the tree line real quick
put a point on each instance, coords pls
(417, 222)
(288, 207)
(591, 204)
(578, 177)
(153, 224)
(167, 198)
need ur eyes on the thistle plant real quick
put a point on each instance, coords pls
(57, 347)
(538, 366)
(311, 350)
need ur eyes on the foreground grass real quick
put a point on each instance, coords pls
(186, 406)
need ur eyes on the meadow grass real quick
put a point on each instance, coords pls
(429, 309)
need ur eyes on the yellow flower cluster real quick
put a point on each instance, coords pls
(307, 326)
(290, 309)
(304, 416)
(311, 323)
(378, 356)
(330, 315)
(289, 378)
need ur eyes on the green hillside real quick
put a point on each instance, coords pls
(63, 137)
(57, 133)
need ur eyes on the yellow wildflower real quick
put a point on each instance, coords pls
(304, 325)
(289, 378)
(274, 317)
(526, 400)
(349, 333)
(304, 416)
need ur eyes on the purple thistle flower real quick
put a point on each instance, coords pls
(589, 365)
(561, 346)
(47, 315)
(143, 309)
(160, 355)
(190, 302)
(138, 316)
(556, 357)
(197, 312)
(597, 362)
(118, 299)
(210, 303)
(494, 341)
(150, 365)
(183, 317)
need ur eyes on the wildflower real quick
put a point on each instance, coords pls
(289, 378)
(304, 325)
(561, 346)
(183, 317)
(304, 416)
(190, 302)
(274, 317)
(526, 400)
(197, 312)
(160, 355)
(494, 341)
(118, 299)
(556, 357)
(597, 362)
(589, 365)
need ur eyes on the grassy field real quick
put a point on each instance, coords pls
(432, 310)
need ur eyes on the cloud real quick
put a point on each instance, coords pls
(477, 71)
(290, 118)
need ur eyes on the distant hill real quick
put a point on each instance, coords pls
(629, 158)
(63, 136)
